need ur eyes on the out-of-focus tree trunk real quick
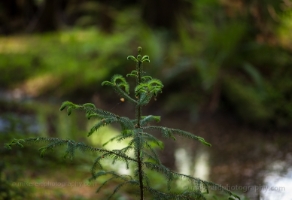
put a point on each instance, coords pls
(48, 18)
(15, 15)
(162, 13)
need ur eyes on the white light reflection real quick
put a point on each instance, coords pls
(196, 166)
(202, 167)
(182, 161)
(277, 187)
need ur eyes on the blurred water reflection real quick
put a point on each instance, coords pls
(278, 185)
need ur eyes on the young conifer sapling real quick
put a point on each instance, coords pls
(140, 154)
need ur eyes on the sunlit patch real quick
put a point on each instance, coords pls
(183, 162)
(14, 44)
(285, 29)
(103, 135)
(202, 167)
(199, 167)
(37, 85)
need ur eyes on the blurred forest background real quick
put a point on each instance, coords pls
(215, 57)
(230, 55)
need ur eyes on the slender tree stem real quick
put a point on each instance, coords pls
(140, 175)
(138, 117)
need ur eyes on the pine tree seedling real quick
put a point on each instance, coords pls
(140, 154)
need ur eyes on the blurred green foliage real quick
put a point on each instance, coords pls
(240, 64)
(21, 169)
(8, 190)
(62, 57)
